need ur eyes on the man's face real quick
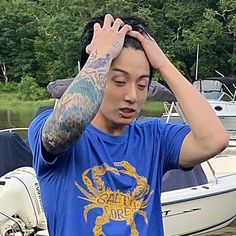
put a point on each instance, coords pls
(126, 91)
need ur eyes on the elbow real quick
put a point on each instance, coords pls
(218, 143)
(224, 142)
(56, 144)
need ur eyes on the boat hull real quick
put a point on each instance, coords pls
(200, 209)
(226, 111)
(229, 122)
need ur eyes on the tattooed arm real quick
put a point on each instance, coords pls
(78, 105)
(80, 102)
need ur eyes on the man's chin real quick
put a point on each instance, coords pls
(126, 121)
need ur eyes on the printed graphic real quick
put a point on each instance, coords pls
(116, 205)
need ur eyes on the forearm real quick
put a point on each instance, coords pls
(78, 105)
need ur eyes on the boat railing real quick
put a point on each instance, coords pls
(212, 171)
(171, 109)
(13, 129)
(229, 92)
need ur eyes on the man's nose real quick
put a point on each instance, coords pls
(131, 94)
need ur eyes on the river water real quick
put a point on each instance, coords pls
(19, 118)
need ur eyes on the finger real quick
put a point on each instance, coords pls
(88, 49)
(150, 37)
(136, 35)
(96, 26)
(108, 20)
(125, 29)
(117, 24)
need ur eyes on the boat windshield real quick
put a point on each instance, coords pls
(217, 95)
(212, 95)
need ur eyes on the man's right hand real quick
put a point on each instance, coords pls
(109, 38)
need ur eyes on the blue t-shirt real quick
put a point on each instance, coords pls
(106, 184)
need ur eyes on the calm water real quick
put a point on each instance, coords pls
(22, 118)
(19, 118)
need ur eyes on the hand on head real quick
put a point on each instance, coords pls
(154, 53)
(109, 38)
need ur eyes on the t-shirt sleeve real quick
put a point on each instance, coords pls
(35, 139)
(172, 139)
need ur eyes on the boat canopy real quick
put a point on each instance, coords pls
(14, 152)
(217, 88)
(208, 85)
(179, 179)
(156, 91)
(159, 92)
(223, 80)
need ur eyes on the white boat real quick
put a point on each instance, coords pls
(186, 211)
(212, 205)
(21, 211)
(203, 208)
(220, 92)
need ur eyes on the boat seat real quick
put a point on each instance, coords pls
(178, 179)
(14, 152)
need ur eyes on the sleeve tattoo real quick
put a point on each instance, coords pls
(77, 107)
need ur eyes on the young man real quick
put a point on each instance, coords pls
(99, 168)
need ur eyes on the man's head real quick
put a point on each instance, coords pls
(129, 42)
(128, 78)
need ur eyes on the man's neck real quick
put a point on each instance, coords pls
(108, 126)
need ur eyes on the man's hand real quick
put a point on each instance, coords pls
(154, 53)
(109, 38)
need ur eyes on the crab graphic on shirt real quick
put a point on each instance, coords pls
(116, 205)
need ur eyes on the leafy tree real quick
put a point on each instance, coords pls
(28, 89)
(41, 39)
(17, 33)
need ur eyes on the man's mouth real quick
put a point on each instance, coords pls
(127, 112)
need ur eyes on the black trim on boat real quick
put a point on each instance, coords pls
(167, 213)
(223, 116)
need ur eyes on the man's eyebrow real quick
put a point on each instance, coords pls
(126, 73)
(120, 70)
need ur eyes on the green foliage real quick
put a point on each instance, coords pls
(8, 87)
(41, 39)
(11, 101)
(18, 30)
(28, 89)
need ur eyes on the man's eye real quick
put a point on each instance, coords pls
(141, 86)
(120, 83)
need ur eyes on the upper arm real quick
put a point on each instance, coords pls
(194, 151)
(171, 143)
(40, 155)
(35, 137)
(188, 152)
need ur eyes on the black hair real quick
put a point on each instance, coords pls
(129, 42)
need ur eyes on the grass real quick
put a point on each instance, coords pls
(9, 101)
(152, 109)
(154, 106)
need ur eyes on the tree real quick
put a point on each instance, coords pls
(17, 33)
(41, 39)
